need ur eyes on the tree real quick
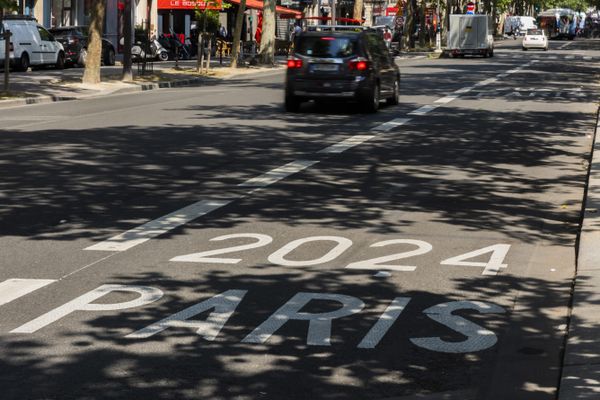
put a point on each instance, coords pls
(7, 5)
(237, 33)
(127, 75)
(267, 40)
(208, 19)
(358, 10)
(91, 74)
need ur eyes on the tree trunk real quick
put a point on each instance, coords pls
(91, 74)
(423, 30)
(237, 34)
(358, 10)
(127, 34)
(410, 23)
(267, 40)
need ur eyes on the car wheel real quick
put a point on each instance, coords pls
(371, 101)
(23, 65)
(82, 57)
(524, 48)
(163, 56)
(292, 103)
(394, 100)
(492, 53)
(109, 57)
(545, 49)
(60, 61)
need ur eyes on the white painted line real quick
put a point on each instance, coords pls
(278, 173)
(570, 57)
(149, 230)
(587, 58)
(486, 82)
(465, 89)
(445, 100)
(512, 71)
(423, 110)
(346, 144)
(12, 289)
(391, 124)
(501, 75)
(565, 45)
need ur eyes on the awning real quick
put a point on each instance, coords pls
(188, 5)
(258, 5)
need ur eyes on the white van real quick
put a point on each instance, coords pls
(30, 44)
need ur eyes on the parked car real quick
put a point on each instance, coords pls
(535, 39)
(350, 64)
(75, 41)
(31, 45)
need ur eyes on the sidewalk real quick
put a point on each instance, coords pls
(581, 365)
(48, 85)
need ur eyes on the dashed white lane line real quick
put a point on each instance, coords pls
(278, 174)
(12, 289)
(159, 226)
(346, 144)
(423, 110)
(466, 89)
(388, 126)
(445, 100)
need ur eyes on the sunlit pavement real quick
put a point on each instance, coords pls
(200, 243)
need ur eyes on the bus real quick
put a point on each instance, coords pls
(559, 23)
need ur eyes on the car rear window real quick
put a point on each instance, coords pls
(326, 46)
(534, 31)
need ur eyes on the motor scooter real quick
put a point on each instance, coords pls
(157, 51)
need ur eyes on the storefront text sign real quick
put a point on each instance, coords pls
(188, 5)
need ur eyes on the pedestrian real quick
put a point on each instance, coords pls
(387, 37)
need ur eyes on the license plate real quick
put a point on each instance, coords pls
(325, 67)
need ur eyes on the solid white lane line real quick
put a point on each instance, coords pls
(423, 110)
(159, 226)
(12, 289)
(346, 144)
(447, 99)
(278, 174)
(391, 124)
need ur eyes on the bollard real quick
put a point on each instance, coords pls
(6, 37)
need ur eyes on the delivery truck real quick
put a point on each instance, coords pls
(471, 35)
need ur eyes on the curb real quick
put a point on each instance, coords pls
(581, 362)
(141, 87)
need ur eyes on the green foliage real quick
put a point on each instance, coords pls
(9, 5)
(208, 18)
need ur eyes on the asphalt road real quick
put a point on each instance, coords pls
(425, 250)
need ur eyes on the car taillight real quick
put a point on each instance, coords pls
(358, 65)
(294, 63)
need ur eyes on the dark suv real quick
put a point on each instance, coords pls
(75, 41)
(350, 64)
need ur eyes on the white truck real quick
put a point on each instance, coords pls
(471, 35)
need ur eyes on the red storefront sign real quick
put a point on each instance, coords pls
(188, 5)
(391, 11)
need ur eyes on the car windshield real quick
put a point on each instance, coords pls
(326, 46)
(532, 32)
